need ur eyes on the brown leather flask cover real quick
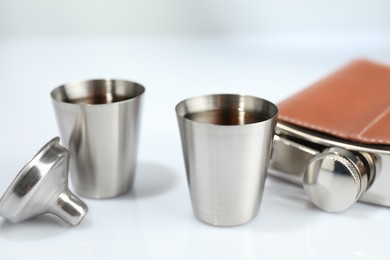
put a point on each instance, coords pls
(353, 104)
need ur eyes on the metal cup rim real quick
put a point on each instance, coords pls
(77, 83)
(181, 104)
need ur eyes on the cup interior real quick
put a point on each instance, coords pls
(226, 109)
(95, 92)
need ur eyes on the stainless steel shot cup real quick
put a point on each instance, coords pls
(226, 142)
(99, 123)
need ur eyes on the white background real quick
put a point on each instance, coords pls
(179, 49)
(72, 17)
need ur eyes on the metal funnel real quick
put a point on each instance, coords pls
(42, 187)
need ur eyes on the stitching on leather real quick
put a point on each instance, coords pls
(374, 122)
(359, 136)
(372, 140)
(335, 133)
(314, 127)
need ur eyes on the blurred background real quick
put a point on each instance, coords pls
(185, 17)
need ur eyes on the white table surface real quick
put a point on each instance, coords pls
(155, 220)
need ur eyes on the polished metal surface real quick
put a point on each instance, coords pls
(226, 141)
(298, 152)
(42, 187)
(99, 123)
(335, 179)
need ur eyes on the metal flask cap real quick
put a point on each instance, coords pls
(42, 187)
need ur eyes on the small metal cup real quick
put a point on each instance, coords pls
(226, 142)
(99, 123)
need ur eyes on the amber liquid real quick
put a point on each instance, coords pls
(227, 117)
(96, 100)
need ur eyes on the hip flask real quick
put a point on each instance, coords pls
(333, 138)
